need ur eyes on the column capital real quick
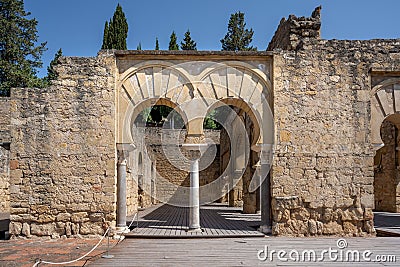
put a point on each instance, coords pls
(126, 147)
(123, 150)
(195, 150)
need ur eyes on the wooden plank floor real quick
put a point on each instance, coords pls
(387, 223)
(166, 221)
(243, 251)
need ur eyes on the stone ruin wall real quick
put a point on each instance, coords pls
(5, 139)
(387, 183)
(63, 156)
(292, 31)
(169, 176)
(323, 176)
(63, 160)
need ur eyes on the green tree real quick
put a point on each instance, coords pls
(188, 43)
(19, 56)
(116, 31)
(51, 73)
(105, 36)
(173, 43)
(139, 47)
(238, 38)
(157, 45)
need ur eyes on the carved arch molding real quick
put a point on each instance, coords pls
(194, 88)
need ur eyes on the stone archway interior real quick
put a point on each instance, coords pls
(386, 167)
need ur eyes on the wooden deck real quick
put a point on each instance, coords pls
(387, 223)
(165, 221)
(243, 251)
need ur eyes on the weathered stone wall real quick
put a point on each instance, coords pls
(4, 179)
(5, 119)
(5, 138)
(168, 174)
(63, 157)
(386, 171)
(323, 168)
(292, 31)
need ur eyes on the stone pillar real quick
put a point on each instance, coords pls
(257, 168)
(265, 190)
(194, 198)
(123, 153)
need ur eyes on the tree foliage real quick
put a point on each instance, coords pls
(173, 45)
(188, 43)
(238, 38)
(157, 45)
(19, 54)
(139, 46)
(51, 73)
(116, 31)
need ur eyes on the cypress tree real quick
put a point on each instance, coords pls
(238, 38)
(157, 45)
(105, 36)
(172, 42)
(116, 31)
(188, 43)
(120, 28)
(51, 73)
(139, 47)
(19, 56)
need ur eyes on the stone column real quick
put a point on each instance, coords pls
(257, 170)
(194, 198)
(265, 190)
(123, 153)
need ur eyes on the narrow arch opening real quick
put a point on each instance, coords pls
(387, 167)
(237, 131)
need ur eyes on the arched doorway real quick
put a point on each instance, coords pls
(385, 123)
(386, 167)
(194, 88)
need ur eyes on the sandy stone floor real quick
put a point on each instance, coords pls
(25, 252)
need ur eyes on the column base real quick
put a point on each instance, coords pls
(194, 230)
(265, 229)
(122, 230)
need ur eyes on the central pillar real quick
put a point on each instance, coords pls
(122, 153)
(265, 189)
(194, 197)
(257, 170)
(121, 192)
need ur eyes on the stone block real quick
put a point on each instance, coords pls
(96, 217)
(332, 228)
(15, 228)
(282, 203)
(90, 228)
(43, 229)
(79, 217)
(312, 227)
(26, 230)
(349, 227)
(63, 217)
(300, 214)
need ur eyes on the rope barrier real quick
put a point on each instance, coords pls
(129, 227)
(69, 262)
(133, 219)
(136, 216)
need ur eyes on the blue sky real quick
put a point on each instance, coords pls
(77, 26)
